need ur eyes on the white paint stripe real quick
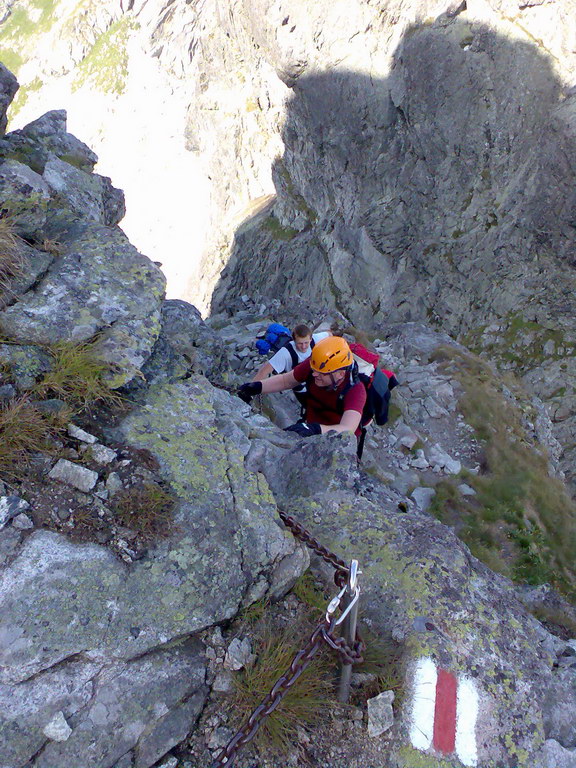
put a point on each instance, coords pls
(423, 704)
(466, 716)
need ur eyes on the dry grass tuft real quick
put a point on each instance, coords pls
(23, 429)
(11, 259)
(305, 704)
(145, 508)
(77, 377)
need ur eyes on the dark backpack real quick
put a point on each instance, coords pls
(378, 396)
(378, 383)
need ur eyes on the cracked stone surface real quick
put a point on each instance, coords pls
(77, 612)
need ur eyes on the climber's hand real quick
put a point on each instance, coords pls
(305, 429)
(249, 391)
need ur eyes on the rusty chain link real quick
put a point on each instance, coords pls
(305, 537)
(350, 654)
(324, 632)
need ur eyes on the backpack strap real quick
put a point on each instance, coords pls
(292, 353)
(294, 357)
(368, 413)
(353, 378)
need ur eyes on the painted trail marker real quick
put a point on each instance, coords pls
(444, 712)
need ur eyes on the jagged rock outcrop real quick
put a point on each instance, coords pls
(81, 277)
(48, 136)
(434, 188)
(102, 660)
(99, 662)
(424, 588)
(419, 157)
(419, 584)
(185, 345)
(77, 612)
(8, 88)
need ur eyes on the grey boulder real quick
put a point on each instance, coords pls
(8, 88)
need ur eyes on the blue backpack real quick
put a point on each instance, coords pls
(275, 337)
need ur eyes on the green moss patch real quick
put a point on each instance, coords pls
(520, 344)
(11, 59)
(311, 593)
(277, 231)
(22, 95)
(521, 521)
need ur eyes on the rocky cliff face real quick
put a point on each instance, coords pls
(429, 176)
(110, 653)
(109, 648)
(100, 656)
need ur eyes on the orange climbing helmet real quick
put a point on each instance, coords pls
(331, 354)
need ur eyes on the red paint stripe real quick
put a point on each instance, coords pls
(444, 737)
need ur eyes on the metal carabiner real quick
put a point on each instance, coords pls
(353, 575)
(335, 603)
(349, 607)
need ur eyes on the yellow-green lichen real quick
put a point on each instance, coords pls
(21, 30)
(521, 755)
(407, 757)
(106, 65)
(187, 445)
(23, 93)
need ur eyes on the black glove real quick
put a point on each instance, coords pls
(304, 428)
(250, 390)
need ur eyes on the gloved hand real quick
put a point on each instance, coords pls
(249, 390)
(304, 428)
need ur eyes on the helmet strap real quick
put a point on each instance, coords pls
(334, 386)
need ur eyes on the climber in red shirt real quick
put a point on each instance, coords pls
(335, 400)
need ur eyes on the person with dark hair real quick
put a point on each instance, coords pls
(289, 356)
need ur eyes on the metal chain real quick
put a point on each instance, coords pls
(350, 654)
(323, 633)
(305, 537)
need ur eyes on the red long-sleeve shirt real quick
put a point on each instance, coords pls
(323, 406)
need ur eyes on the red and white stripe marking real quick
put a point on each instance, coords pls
(444, 712)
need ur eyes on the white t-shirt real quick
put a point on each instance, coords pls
(282, 360)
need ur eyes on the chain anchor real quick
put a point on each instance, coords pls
(349, 646)
(349, 619)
